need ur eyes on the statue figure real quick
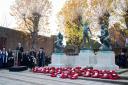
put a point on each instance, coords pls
(86, 37)
(104, 38)
(58, 43)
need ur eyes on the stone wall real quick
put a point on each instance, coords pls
(9, 38)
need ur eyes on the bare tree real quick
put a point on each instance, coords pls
(5, 22)
(32, 16)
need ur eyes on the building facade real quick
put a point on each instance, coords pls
(9, 39)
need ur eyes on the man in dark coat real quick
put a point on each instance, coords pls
(32, 58)
(20, 51)
(122, 60)
(41, 57)
(10, 58)
(1, 59)
(25, 59)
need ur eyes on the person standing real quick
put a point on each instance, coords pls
(33, 60)
(1, 59)
(5, 57)
(25, 59)
(20, 51)
(122, 59)
(41, 57)
(10, 58)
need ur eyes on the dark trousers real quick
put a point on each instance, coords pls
(1, 63)
(41, 62)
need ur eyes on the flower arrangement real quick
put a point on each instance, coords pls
(76, 72)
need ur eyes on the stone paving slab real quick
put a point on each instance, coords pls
(29, 78)
(124, 75)
(29, 74)
(121, 71)
(6, 81)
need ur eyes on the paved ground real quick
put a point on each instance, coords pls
(124, 74)
(29, 78)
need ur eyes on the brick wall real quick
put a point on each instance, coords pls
(13, 37)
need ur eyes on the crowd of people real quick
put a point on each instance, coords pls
(20, 57)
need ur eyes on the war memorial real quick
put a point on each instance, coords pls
(64, 42)
(103, 59)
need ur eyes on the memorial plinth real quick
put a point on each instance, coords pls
(85, 58)
(104, 60)
(58, 59)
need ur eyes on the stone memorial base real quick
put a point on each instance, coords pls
(85, 59)
(57, 59)
(104, 60)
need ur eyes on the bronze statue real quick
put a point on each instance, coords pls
(58, 43)
(86, 37)
(104, 38)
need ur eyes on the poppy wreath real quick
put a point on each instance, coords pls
(74, 73)
(95, 74)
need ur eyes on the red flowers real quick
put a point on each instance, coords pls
(53, 75)
(74, 73)
(95, 74)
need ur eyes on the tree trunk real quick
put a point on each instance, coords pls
(126, 18)
(36, 18)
